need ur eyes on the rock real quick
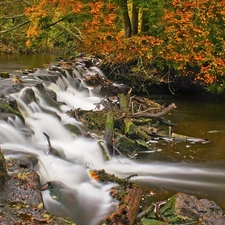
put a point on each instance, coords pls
(187, 209)
(6, 108)
(21, 199)
(29, 95)
(4, 75)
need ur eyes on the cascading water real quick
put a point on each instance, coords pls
(91, 201)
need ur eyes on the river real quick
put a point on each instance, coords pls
(14, 63)
(191, 167)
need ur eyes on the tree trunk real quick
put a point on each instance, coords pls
(135, 12)
(126, 19)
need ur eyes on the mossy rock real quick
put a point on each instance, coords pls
(187, 209)
(127, 146)
(73, 129)
(4, 75)
(5, 108)
(94, 120)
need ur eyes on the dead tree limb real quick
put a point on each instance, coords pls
(12, 17)
(15, 27)
(68, 31)
(49, 142)
(165, 111)
(128, 210)
(53, 151)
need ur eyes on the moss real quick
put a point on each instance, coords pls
(168, 209)
(4, 75)
(169, 213)
(127, 125)
(94, 120)
(5, 108)
(123, 103)
(152, 222)
(73, 129)
(109, 124)
(127, 146)
(3, 172)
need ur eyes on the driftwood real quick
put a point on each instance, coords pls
(127, 193)
(128, 210)
(165, 111)
(53, 151)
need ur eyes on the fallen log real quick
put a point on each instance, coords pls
(128, 209)
(127, 193)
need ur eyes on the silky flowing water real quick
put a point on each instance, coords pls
(192, 167)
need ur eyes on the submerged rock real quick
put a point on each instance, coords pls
(4, 74)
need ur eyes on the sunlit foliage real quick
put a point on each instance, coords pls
(182, 37)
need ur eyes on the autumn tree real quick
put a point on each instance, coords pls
(194, 39)
(180, 38)
(13, 25)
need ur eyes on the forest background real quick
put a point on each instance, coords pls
(178, 42)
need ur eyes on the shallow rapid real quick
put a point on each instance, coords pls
(73, 192)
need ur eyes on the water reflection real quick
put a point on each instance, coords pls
(196, 119)
(13, 63)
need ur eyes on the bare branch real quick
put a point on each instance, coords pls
(61, 27)
(165, 111)
(58, 21)
(68, 31)
(15, 27)
(12, 17)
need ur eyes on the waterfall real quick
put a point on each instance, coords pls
(70, 176)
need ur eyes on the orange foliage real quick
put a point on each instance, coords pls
(53, 9)
(192, 30)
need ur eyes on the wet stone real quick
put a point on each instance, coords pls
(21, 199)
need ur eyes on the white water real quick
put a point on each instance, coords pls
(92, 199)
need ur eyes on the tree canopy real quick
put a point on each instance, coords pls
(179, 37)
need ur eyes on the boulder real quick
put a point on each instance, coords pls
(187, 209)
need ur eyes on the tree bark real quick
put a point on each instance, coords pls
(135, 12)
(165, 111)
(128, 210)
(126, 18)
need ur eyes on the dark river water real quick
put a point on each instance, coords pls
(13, 63)
(198, 119)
